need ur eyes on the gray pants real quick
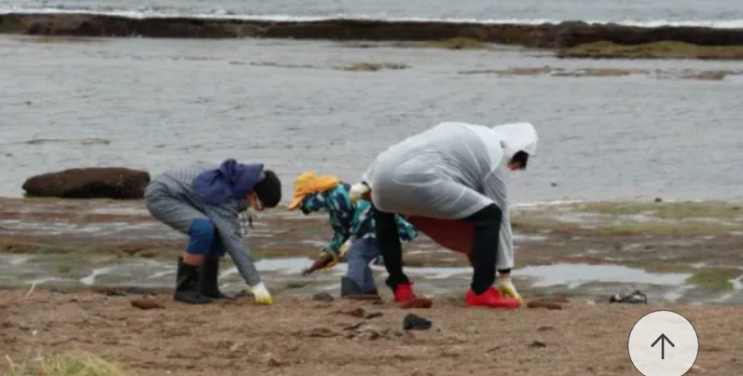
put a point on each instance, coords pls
(360, 254)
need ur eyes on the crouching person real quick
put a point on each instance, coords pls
(204, 201)
(353, 230)
(450, 182)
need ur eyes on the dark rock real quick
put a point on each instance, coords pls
(146, 304)
(373, 315)
(272, 362)
(538, 344)
(323, 297)
(357, 312)
(415, 322)
(565, 34)
(96, 182)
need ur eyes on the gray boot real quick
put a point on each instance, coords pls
(349, 287)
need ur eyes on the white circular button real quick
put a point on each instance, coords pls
(663, 343)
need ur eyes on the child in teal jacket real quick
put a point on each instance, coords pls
(353, 228)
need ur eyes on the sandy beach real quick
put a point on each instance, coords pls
(635, 186)
(304, 337)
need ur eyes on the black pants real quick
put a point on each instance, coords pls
(484, 253)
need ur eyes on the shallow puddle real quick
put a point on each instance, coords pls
(575, 275)
(283, 276)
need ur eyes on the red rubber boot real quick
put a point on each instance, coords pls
(404, 293)
(490, 298)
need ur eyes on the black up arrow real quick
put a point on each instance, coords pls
(663, 339)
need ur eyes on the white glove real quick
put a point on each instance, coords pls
(507, 289)
(357, 190)
(262, 296)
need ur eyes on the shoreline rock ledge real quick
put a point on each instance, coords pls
(89, 183)
(563, 35)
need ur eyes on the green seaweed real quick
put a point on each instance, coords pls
(714, 278)
(658, 50)
(663, 210)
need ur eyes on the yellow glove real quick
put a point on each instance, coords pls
(344, 248)
(507, 289)
(262, 296)
(333, 261)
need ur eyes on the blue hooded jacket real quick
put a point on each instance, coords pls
(231, 180)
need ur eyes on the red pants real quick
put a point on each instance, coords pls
(454, 235)
(451, 234)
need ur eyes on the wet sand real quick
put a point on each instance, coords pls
(673, 252)
(304, 337)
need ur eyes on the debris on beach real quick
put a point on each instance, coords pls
(637, 297)
(373, 315)
(357, 312)
(272, 362)
(415, 322)
(146, 304)
(538, 344)
(416, 303)
(360, 313)
(323, 297)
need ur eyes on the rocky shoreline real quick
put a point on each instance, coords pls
(551, 36)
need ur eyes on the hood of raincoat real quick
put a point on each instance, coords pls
(231, 180)
(515, 137)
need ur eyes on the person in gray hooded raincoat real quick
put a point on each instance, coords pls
(203, 201)
(451, 178)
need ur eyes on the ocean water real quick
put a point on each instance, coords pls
(717, 13)
(160, 103)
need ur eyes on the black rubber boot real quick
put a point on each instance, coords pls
(208, 283)
(186, 288)
(349, 287)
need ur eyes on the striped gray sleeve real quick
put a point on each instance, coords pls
(495, 188)
(227, 222)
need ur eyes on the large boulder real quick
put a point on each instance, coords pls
(95, 182)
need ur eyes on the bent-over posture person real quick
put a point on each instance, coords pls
(453, 173)
(353, 229)
(203, 201)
